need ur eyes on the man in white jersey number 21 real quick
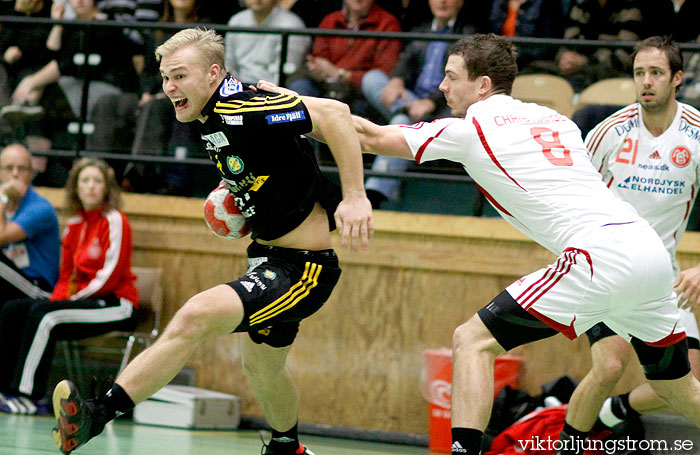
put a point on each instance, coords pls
(648, 154)
(532, 165)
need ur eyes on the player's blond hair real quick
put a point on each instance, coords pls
(210, 45)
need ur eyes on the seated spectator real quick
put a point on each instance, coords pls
(530, 19)
(616, 20)
(311, 12)
(106, 55)
(337, 64)
(158, 132)
(412, 94)
(95, 293)
(23, 50)
(253, 56)
(127, 11)
(29, 235)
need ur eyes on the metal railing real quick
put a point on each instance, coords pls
(285, 34)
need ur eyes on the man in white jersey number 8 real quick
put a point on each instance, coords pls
(532, 165)
(648, 154)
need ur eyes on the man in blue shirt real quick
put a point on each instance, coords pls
(412, 94)
(29, 235)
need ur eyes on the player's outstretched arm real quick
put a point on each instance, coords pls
(381, 140)
(354, 214)
(687, 286)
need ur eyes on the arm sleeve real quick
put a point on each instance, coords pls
(442, 139)
(598, 149)
(38, 219)
(269, 113)
(60, 291)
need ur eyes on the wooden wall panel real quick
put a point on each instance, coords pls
(358, 361)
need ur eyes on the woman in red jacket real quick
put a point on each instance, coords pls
(95, 293)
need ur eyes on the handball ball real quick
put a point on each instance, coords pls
(222, 216)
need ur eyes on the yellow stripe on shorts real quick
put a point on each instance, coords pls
(290, 298)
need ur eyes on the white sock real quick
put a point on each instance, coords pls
(607, 416)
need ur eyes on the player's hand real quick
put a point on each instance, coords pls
(687, 286)
(354, 221)
(270, 87)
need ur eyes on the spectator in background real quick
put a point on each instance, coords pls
(127, 11)
(23, 50)
(158, 132)
(337, 65)
(531, 19)
(108, 57)
(95, 293)
(311, 12)
(28, 231)
(606, 20)
(412, 94)
(410, 13)
(254, 56)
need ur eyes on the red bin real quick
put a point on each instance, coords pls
(437, 385)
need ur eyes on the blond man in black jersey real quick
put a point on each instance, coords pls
(254, 138)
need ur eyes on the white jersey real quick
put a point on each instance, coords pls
(659, 176)
(531, 164)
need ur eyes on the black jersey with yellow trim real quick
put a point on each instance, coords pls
(255, 140)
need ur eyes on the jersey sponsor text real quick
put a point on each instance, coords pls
(285, 117)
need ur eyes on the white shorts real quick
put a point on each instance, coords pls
(618, 274)
(690, 323)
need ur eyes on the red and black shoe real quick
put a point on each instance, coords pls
(301, 450)
(77, 420)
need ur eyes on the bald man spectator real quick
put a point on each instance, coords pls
(29, 235)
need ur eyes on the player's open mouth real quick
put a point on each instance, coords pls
(179, 102)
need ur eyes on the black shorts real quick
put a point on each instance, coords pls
(282, 287)
(600, 331)
(510, 324)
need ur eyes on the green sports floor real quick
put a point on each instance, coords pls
(24, 435)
